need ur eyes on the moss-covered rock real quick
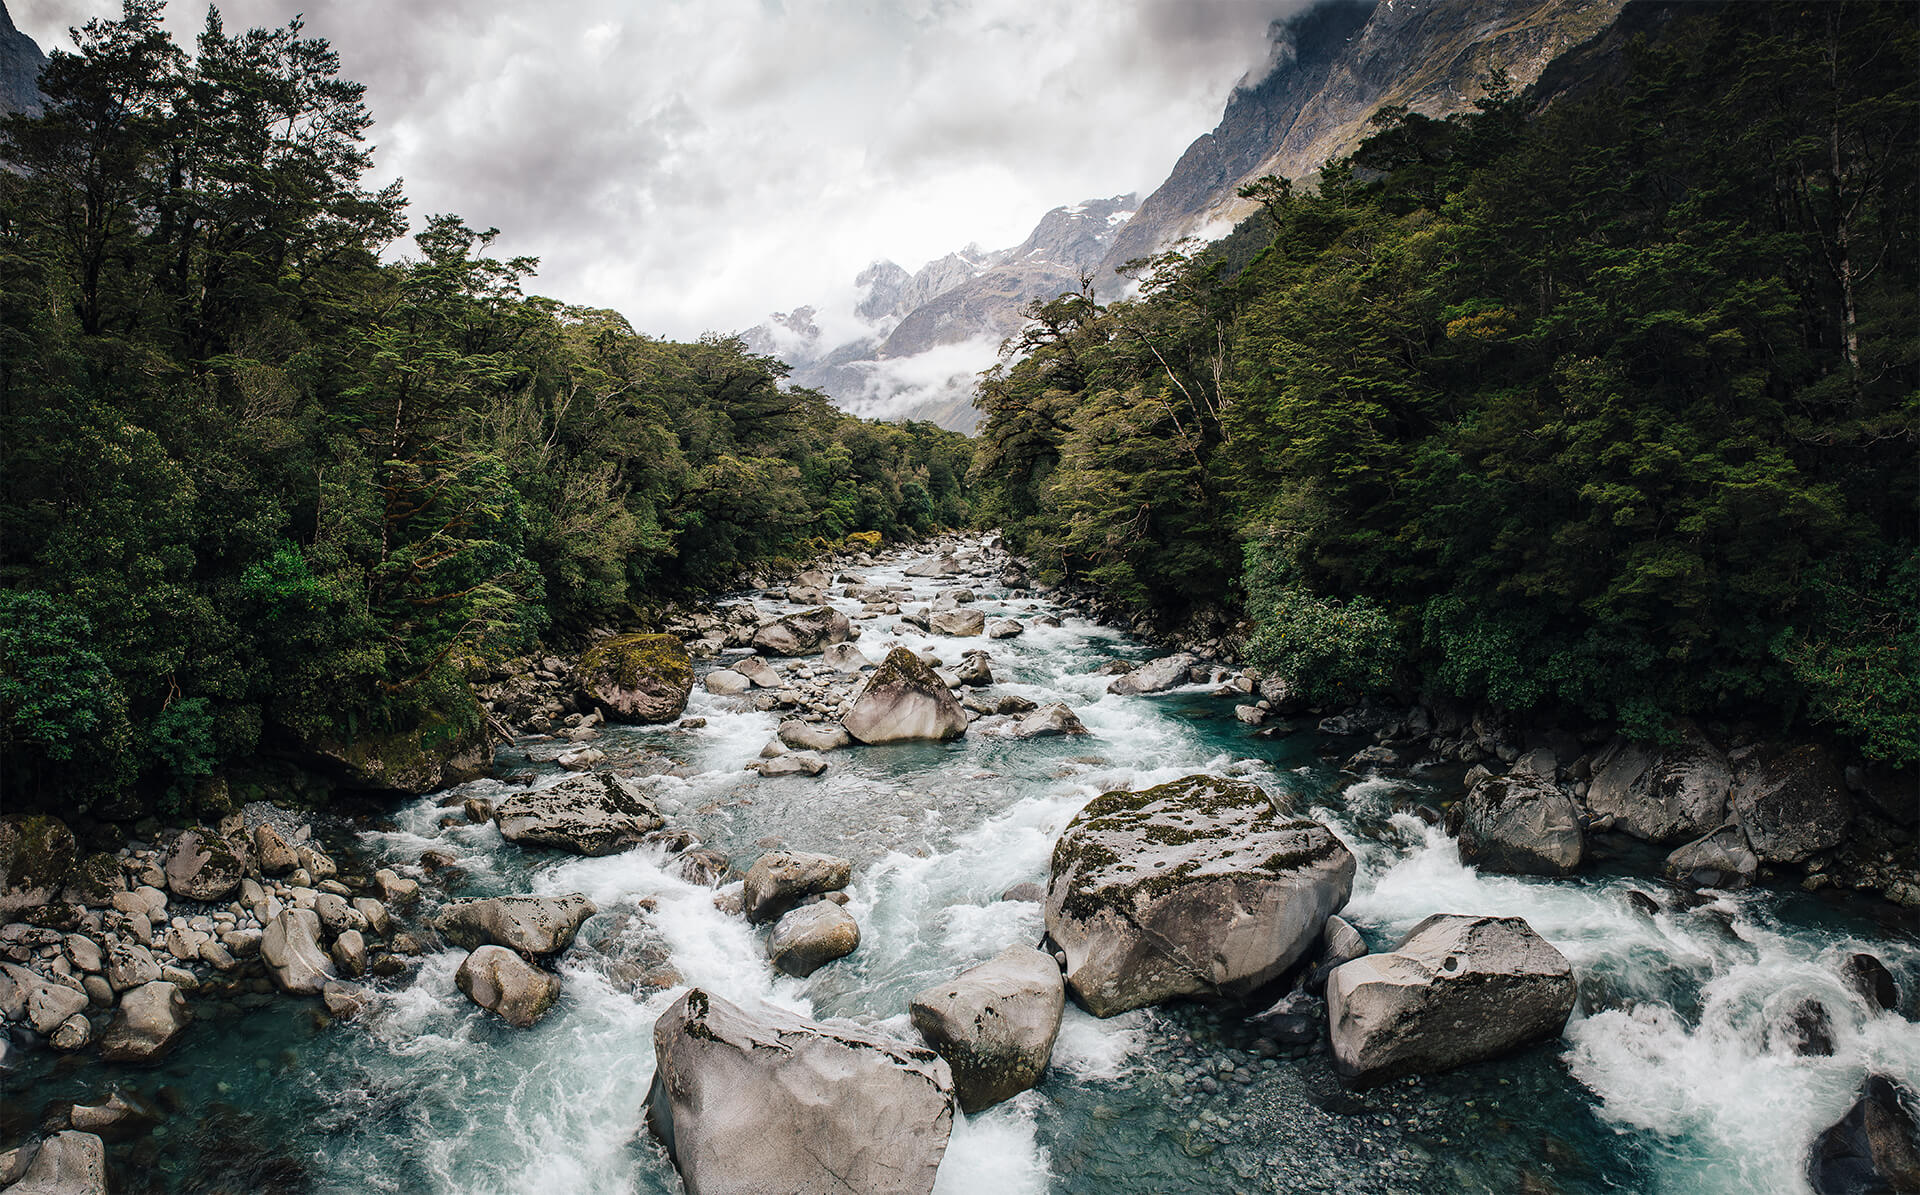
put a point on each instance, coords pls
(94, 881)
(37, 855)
(201, 865)
(442, 753)
(638, 678)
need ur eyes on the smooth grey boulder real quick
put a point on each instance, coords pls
(1048, 721)
(43, 1002)
(778, 881)
(1155, 676)
(994, 1024)
(1004, 628)
(844, 657)
(145, 1025)
(68, 1163)
(1721, 859)
(528, 925)
(1456, 990)
(791, 763)
(291, 949)
(804, 633)
(725, 682)
(759, 673)
(762, 1102)
(593, 814)
(962, 623)
(1521, 824)
(271, 852)
(1792, 803)
(813, 736)
(1197, 887)
(201, 865)
(507, 985)
(1663, 795)
(904, 701)
(975, 669)
(811, 936)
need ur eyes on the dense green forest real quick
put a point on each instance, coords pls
(266, 484)
(1606, 410)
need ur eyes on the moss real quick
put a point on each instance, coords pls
(37, 851)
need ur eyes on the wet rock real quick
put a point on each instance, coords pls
(529, 925)
(396, 889)
(595, 814)
(350, 953)
(1641, 902)
(145, 1025)
(759, 673)
(938, 566)
(1049, 721)
(760, 1100)
(37, 858)
(1721, 859)
(503, 983)
(804, 633)
(777, 882)
(271, 852)
(374, 914)
(68, 1163)
(1869, 977)
(1195, 887)
(1028, 892)
(291, 949)
(1792, 803)
(792, 763)
(844, 657)
(812, 936)
(343, 999)
(725, 682)
(582, 760)
(130, 964)
(994, 1024)
(963, 623)
(1520, 824)
(42, 1002)
(1251, 715)
(703, 865)
(813, 736)
(975, 670)
(1456, 990)
(1004, 628)
(903, 701)
(201, 865)
(74, 1033)
(83, 952)
(1156, 676)
(1805, 1029)
(1663, 795)
(637, 678)
(1874, 1148)
(120, 1116)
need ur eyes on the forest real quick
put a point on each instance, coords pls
(1601, 409)
(271, 476)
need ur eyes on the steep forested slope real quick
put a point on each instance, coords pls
(1609, 409)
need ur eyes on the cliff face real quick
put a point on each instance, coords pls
(20, 65)
(1330, 70)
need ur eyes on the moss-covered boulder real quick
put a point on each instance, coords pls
(439, 754)
(638, 678)
(1197, 887)
(37, 855)
(94, 881)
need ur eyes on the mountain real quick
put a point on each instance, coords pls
(924, 337)
(20, 65)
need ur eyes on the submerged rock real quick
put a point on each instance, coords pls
(1194, 888)
(1521, 825)
(528, 925)
(994, 1024)
(762, 1101)
(502, 982)
(791, 763)
(1455, 990)
(811, 936)
(595, 814)
(778, 881)
(638, 678)
(903, 701)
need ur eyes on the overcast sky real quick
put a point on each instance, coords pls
(697, 164)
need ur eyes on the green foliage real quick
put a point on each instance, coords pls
(1326, 650)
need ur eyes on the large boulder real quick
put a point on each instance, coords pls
(37, 856)
(957, 622)
(1666, 795)
(1721, 859)
(1194, 888)
(291, 949)
(725, 682)
(1874, 1148)
(528, 925)
(40, 1001)
(503, 983)
(778, 881)
(638, 678)
(904, 700)
(201, 865)
(994, 1024)
(148, 1020)
(1521, 824)
(804, 633)
(1792, 803)
(448, 748)
(68, 1163)
(1047, 721)
(1456, 990)
(935, 566)
(811, 936)
(762, 1101)
(1156, 676)
(594, 814)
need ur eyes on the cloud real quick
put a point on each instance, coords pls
(698, 163)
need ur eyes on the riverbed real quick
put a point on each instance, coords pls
(1671, 1077)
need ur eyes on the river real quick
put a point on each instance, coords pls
(1668, 1078)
